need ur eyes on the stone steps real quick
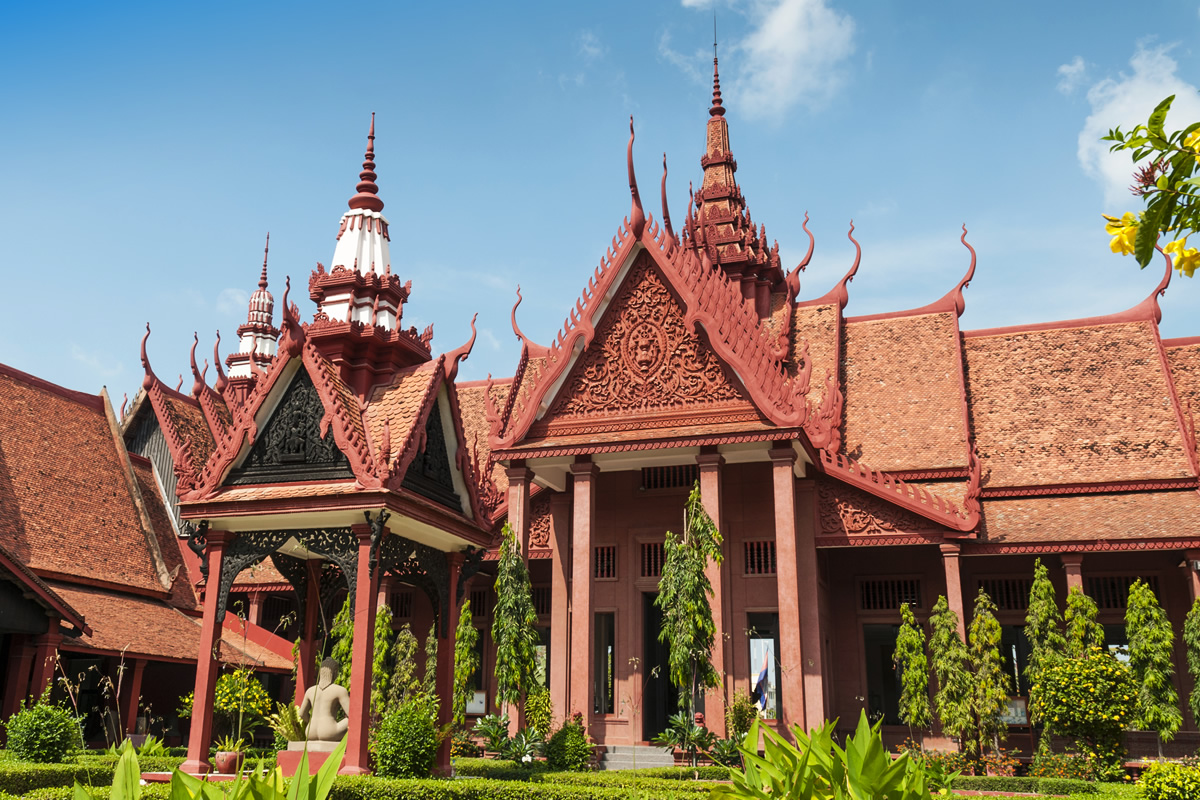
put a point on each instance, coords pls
(636, 756)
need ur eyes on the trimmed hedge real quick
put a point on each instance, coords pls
(1057, 786)
(503, 770)
(364, 788)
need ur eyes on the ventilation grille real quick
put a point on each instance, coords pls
(479, 603)
(541, 600)
(1112, 591)
(402, 604)
(652, 559)
(675, 476)
(605, 562)
(760, 557)
(1009, 594)
(889, 594)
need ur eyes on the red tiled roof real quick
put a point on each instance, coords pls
(1131, 515)
(66, 503)
(189, 422)
(472, 402)
(141, 626)
(903, 407)
(1184, 361)
(41, 591)
(182, 594)
(1073, 405)
(400, 403)
(817, 325)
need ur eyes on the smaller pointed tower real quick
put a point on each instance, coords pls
(258, 338)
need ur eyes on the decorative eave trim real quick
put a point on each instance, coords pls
(179, 446)
(880, 540)
(1182, 341)
(414, 438)
(1092, 546)
(352, 440)
(46, 595)
(887, 487)
(1108, 487)
(205, 396)
(464, 456)
(550, 450)
(935, 474)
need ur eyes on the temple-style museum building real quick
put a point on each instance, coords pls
(852, 465)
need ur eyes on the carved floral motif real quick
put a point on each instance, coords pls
(539, 521)
(854, 513)
(644, 357)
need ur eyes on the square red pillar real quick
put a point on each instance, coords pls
(1192, 565)
(133, 699)
(709, 464)
(1073, 566)
(519, 480)
(583, 487)
(366, 594)
(790, 669)
(444, 684)
(560, 602)
(206, 660)
(954, 598)
(45, 658)
(307, 654)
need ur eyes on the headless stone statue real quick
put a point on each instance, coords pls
(319, 708)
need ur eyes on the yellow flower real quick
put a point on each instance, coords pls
(1124, 232)
(1186, 258)
(1192, 140)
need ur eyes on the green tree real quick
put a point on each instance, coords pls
(1151, 645)
(1043, 629)
(909, 658)
(683, 595)
(514, 624)
(989, 682)
(404, 683)
(1168, 183)
(466, 663)
(949, 656)
(1191, 641)
(1083, 632)
(342, 633)
(1091, 697)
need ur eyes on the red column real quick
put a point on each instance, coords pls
(45, 658)
(200, 736)
(710, 496)
(810, 615)
(950, 557)
(1193, 560)
(445, 662)
(358, 760)
(791, 656)
(583, 487)
(306, 655)
(254, 614)
(560, 602)
(519, 478)
(130, 711)
(1073, 566)
(20, 667)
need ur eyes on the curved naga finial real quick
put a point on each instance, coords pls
(793, 278)
(222, 381)
(198, 384)
(665, 210)
(460, 354)
(150, 377)
(124, 402)
(288, 316)
(842, 293)
(532, 347)
(637, 217)
(957, 292)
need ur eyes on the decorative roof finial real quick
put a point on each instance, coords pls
(666, 212)
(717, 109)
(637, 217)
(368, 192)
(262, 281)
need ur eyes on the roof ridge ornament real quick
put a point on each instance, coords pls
(455, 357)
(222, 381)
(637, 217)
(665, 210)
(367, 196)
(262, 281)
(717, 109)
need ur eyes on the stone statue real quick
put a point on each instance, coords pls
(319, 708)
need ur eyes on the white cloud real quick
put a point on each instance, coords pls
(97, 363)
(686, 64)
(590, 46)
(489, 337)
(232, 301)
(1072, 75)
(1127, 101)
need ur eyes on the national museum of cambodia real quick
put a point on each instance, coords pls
(852, 465)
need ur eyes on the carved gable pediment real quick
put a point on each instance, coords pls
(430, 473)
(645, 367)
(290, 445)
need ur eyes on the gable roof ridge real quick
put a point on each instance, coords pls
(343, 413)
(465, 460)
(179, 446)
(915, 498)
(205, 395)
(83, 398)
(395, 466)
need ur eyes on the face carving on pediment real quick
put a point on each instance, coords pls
(643, 349)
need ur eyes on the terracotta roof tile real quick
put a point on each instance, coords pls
(182, 594)
(400, 403)
(278, 491)
(817, 325)
(1185, 369)
(1072, 405)
(65, 506)
(1132, 515)
(262, 573)
(141, 626)
(347, 398)
(190, 423)
(903, 407)
(472, 402)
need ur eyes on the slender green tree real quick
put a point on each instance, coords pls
(949, 657)
(404, 683)
(514, 624)
(1191, 640)
(688, 629)
(342, 633)
(909, 658)
(1151, 646)
(1043, 629)
(990, 684)
(1083, 632)
(466, 663)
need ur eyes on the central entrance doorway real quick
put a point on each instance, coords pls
(659, 698)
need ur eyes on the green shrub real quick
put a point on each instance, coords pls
(405, 743)
(538, 713)
(1163, 780)
(42, 733)
(739, 716)
(996, 783)
(20, 777)
(1091, 699)
(569, 749)
(1066, 786)
(1062, 765)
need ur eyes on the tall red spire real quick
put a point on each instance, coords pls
(262, 280)
(717, 109)
(368, 192)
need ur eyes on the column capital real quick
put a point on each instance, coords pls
(584, 469)
(455, 559)
(362, 531)
(220, 538)
(710, 460)
(782, 452)
(521, 473)
(1071, 560)
(950, 549)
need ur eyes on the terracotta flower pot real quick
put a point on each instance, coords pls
(228, 763)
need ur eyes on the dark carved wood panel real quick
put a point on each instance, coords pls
(429, 474)
(290, 446)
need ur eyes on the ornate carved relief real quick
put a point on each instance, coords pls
(539, 521)
(429, 473)
(422, 566)
(850, 512)
(246, 550)
(291, 446)
(644, 357)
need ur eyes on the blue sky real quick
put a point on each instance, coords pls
(146, 150)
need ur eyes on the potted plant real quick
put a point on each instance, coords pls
(230, 754)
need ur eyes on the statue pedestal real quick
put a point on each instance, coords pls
(289, 760)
